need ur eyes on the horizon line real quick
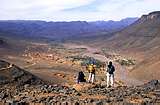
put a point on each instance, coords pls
(42, 20)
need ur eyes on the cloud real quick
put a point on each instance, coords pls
(62, 10)
(55, 5)
(20, 9)
(151, 1)
(90, 7)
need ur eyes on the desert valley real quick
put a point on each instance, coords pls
(40, 61)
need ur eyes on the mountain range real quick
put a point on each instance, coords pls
(60, 30)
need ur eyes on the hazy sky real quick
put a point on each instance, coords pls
(73, 10)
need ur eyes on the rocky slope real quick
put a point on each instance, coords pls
(11, 74)
(19, 86)
(141, 35)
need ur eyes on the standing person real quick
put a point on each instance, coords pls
(110, 69)
(91, 69)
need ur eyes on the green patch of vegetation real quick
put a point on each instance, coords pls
(55, 45)
(126, 62)
(86, 60)
(76, 50)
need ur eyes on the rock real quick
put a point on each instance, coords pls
(154, 84)
(82, 86)
(98, 103)
(42, 99)
(16, 72)
(147, 100)
(49, 99)
(12, 102)
(78, 94)
(26, 86)
(108, 100)
(76, 103)
(3, 95)
(3, 79)
(64, 103)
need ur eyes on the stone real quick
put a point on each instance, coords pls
(16, 72)
(3, 95)
(64, 103)
(3, 79)
(26, 86)
(11, 102)
(76, 103)
(49, 99)
(98, 103)
(78, 94)
(147, 100)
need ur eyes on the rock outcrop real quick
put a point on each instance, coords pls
(11, 74)
(150, 16)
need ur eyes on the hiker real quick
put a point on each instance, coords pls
(91, 69)
(110, 69)
(81, 77)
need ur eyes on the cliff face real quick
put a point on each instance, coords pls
(150, 16)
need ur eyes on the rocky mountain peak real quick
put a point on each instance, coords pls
(150, 16)
(156, 13)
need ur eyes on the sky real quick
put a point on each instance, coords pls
(75, 10)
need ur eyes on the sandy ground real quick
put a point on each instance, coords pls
(65, 73)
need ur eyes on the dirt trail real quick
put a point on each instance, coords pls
(121, 73)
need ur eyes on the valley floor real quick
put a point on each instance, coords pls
(58, 66)
(62, 71)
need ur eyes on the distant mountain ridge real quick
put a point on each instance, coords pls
(142, 34)
(60, 30)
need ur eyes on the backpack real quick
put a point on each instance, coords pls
(110, 69)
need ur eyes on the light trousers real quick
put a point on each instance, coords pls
(110, 80)
(91, 77)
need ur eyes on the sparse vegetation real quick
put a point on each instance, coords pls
(126, 62)
(86, 60)
(77, 50)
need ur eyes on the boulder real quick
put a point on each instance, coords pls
(83, 86)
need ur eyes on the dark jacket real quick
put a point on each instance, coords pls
(111, 69)
(81, 77)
